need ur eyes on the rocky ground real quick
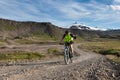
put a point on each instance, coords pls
(86, 66)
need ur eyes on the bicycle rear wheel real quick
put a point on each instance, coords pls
(71, 56)
(66, 56)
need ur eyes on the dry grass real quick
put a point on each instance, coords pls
(20, 55)
(106, 47)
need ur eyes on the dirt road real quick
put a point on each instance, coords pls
(86, 66)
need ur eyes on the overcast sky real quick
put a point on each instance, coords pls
(63, 13)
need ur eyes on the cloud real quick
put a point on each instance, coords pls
(118, 1)
(74, 12)
(101, 12)
(19, 10)
(93, 10)
(67, 10)
(70, 10)
(115, 7)
(61, 12)
(14, 9)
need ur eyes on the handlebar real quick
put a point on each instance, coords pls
(61, 43)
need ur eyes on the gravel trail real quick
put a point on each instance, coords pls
(86, 66)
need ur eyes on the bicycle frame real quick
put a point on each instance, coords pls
(67, 53)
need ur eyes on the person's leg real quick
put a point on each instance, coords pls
(71, 54)
(71, 48)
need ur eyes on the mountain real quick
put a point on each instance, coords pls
(113, 34)
(10, 28)
(80, 27)
(17, 29)
(84, 27)
(94, 32)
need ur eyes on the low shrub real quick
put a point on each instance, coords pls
(110, 51)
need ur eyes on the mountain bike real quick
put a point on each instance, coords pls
(67, 54)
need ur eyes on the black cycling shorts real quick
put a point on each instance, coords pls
(68, 43)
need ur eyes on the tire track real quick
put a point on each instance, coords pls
(42, 70)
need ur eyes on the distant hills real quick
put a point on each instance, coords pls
(92, 32)
(10, 28)
(17, 29)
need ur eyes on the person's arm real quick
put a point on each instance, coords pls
(74, 36)
(62, 38)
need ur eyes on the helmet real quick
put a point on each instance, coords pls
(67, 31)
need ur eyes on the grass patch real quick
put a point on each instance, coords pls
(13, 56)
(42, 37)
(97, 46)
(55, 52)
(104, 47)
(110, 52)
(10, 27)
(34, 40)
(2, 42)
(26, 41)
(52, 50)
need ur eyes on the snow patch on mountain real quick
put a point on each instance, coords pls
(84, 27)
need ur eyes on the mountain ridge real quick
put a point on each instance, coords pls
(11, 28)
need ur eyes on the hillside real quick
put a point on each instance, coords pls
(9, 28)
(16, 29)
(90, 33)
(111, 34)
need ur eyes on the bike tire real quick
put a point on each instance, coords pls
(66, 56)
(70, 56)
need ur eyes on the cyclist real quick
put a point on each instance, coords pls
(68, 38)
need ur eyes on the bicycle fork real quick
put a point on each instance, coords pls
(67, 57)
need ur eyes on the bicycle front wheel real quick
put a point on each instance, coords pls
(66, 56)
